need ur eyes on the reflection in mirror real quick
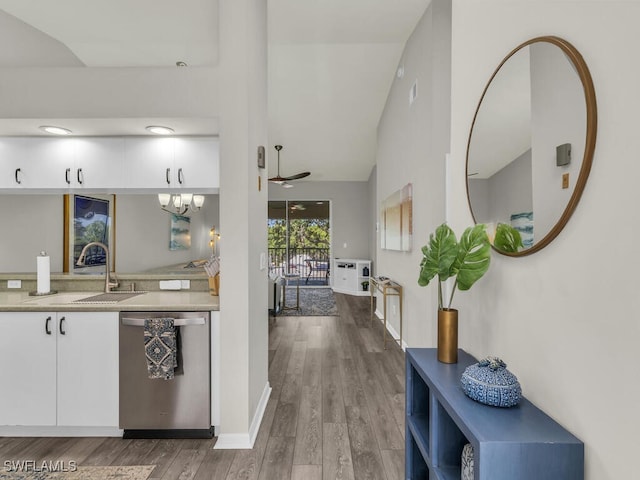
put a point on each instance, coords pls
(34, 223)
(539, 99)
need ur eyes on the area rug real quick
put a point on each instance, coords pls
(313, 302)
(137, 472)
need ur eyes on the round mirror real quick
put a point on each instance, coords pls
(531, 145)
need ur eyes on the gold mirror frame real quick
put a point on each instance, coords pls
(590, 137)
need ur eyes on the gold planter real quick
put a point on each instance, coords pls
(448, 335)
(214, 285)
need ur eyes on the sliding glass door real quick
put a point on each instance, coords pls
(299, 240)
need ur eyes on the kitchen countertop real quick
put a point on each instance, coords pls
(166, 301)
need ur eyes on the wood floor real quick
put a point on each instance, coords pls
(336, 412)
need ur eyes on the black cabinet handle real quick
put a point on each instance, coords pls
(62, 332)
(80, 176)
(18, 170)
(46, 326)
(180, 176)
(66, 176)
(167, 174)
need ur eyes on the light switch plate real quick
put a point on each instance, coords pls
(14, 283)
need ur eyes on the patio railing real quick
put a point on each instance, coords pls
(316, 270)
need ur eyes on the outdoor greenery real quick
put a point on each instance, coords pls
(303, 233)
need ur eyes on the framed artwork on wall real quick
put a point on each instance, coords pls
(88, 219)
(396, 220)
(180, 232)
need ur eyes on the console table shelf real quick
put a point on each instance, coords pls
(519, 442)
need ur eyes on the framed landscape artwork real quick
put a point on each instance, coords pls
(88, 219)
(396, 227)
(180, 232)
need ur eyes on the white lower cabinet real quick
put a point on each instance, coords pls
(28, 371)
(61, 368)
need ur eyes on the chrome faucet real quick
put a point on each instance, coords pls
(108, 284)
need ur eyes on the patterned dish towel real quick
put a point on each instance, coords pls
(160, 347)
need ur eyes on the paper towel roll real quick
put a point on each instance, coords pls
(44, 266)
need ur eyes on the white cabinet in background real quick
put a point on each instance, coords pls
(350, 274)
(165, 163)
(61, 368)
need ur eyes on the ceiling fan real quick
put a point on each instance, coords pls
(283, 181)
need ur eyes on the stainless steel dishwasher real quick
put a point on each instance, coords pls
(158, 408)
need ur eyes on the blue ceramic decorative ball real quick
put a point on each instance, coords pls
(489, 382)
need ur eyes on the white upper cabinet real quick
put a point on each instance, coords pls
(148, 163)
(197, 162)
(172, 163)
(98, 163)
(38, 163)
(109, 163)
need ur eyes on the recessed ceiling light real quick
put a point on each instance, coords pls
(160, 130)
(55, 130)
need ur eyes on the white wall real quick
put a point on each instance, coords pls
(142, 232)
(506, 192)
(558, 116)
(372, 198)
(243, 217)
(349, 217)
(412, 146)
(565, 319)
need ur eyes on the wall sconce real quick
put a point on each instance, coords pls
(180, 202)
(215, 237)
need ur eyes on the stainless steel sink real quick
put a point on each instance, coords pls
(110, 297)
(82, 298)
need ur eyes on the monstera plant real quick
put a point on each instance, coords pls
(466, 261)
(507, 238)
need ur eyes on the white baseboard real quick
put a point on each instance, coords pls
(245, 441)
(55, 431)
(391, 330)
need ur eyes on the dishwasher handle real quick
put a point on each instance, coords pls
(177, 322)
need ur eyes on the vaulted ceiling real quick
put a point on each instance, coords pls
(331, 65)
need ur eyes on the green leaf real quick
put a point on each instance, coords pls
(474, 256)
(438, 256)
(507, 238)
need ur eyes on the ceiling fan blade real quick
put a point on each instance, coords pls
(283, 180)
(298, 176)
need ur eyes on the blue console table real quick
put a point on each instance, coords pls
(520, 442)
